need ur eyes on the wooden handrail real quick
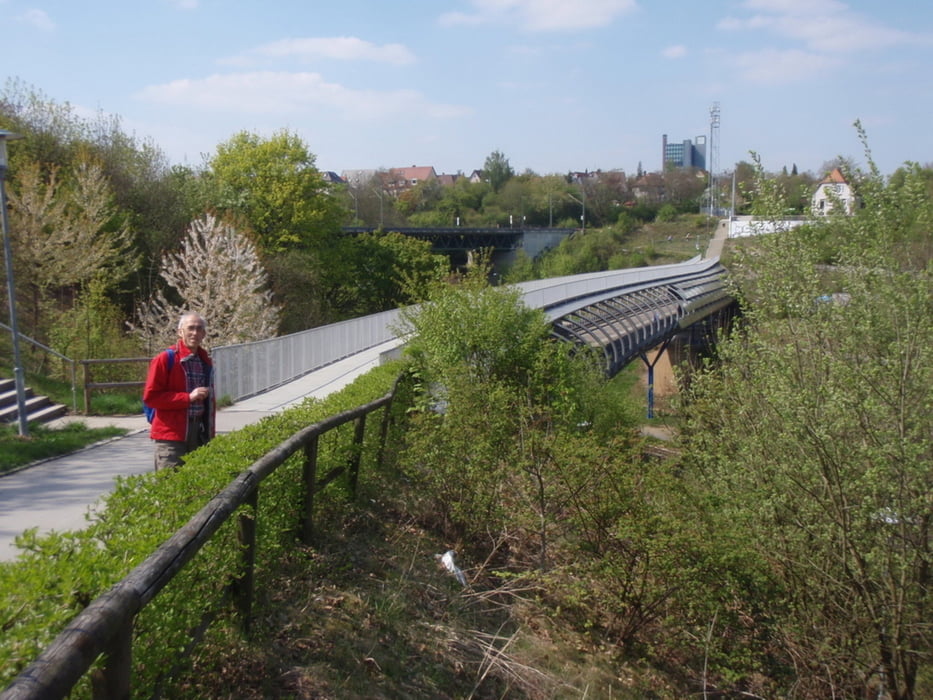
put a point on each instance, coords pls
(90, 384)
(105, 625)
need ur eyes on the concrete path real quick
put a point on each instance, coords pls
(718, 240)
(59, 494)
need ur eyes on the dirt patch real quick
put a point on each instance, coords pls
(665, 384)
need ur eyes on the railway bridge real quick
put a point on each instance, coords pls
(459, 242)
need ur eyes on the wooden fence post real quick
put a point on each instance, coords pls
(243, 586)
(87, 387)
(309, 477)
(354, 466)
(384, 433)
(113, 682)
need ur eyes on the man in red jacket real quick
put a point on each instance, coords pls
(180, 389)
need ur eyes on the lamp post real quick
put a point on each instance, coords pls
(380, 193)
(582, 203)
(11, 287)
(356, 204)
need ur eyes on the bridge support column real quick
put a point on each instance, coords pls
(650, 365)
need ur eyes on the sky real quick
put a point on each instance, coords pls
(554, 85)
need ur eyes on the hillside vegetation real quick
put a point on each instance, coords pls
(782, 550)
(784, 554)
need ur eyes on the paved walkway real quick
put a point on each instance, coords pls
(59, 494)
(718, 240)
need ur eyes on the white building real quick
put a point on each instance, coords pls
(833, 191)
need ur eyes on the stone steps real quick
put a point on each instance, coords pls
(39, 409)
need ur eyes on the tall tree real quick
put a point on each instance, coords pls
(381, 271)
(155, 203)
(67, 232)
(497, 171)
(273, 186)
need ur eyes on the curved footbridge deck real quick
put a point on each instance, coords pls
(625, 313)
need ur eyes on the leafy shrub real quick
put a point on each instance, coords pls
(667, 212)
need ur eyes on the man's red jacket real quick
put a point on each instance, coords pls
(167, 392)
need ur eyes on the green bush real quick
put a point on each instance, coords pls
(667, 212)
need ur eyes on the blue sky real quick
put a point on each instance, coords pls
(555, 85)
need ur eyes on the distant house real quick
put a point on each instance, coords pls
(446, 180)
(409, 177)
(585, 176)
(476, 177)
(834, 190)
(332, 178)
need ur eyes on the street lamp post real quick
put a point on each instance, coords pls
(11, 287)
(356, 204)
(379, 193)
(582, 203)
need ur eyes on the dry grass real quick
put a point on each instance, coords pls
(371, 614)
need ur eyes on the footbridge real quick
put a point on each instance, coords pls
(623, 314)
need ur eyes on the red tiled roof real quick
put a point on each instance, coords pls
(835, 176)
(419, 173)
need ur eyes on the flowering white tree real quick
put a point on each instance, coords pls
(217, 273)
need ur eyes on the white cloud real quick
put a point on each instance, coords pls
(456, 19)
(828, 26)
(810, 38)
(775, 67)
(281, 94)
(37, 19)
(346, 48)
(676, 51)
(542, 15)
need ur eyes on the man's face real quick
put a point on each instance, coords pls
(192, 332)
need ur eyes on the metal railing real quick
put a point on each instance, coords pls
(249, 369)
(50, 351)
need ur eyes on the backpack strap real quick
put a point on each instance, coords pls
(148, 410)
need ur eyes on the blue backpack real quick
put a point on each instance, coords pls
(149, 410)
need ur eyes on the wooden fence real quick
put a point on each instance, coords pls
(105, 626)
(90, 384)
